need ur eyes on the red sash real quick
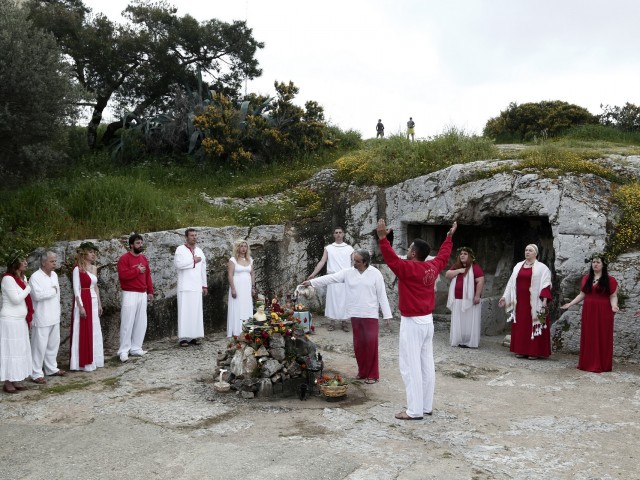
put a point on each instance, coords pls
(85, 332)
(27, 299)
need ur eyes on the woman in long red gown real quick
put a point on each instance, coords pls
(600, 294)
(526, 297)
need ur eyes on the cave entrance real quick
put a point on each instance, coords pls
(498, 244)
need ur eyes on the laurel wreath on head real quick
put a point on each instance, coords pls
(601, 255)
(13, 256)
(468, 250)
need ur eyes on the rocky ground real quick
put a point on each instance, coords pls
(495, 417)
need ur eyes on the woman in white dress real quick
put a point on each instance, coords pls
(15, 316)
(242, 287)
(465, 291)
(87, 351)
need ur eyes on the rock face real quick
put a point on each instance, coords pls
(568, 217)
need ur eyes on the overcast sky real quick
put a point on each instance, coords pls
(455, 63)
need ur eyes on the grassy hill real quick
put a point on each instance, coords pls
(98, 198)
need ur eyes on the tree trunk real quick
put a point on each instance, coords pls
(94, 123)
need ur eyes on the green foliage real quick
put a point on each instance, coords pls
(526, 122)
(258, 131)
(36, 97)
(549, 161)
(626, 118)
(395, 159)
(142, 61)
(602, 133)
(627, 231)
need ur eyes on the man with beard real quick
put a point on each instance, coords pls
(137, 289)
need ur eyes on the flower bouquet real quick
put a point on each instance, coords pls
(332, 387)
(539, 323)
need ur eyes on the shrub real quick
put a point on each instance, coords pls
(529, 121)
(394, 160)
(627, 232)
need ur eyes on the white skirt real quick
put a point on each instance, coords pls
(15, 349)
(465, 326)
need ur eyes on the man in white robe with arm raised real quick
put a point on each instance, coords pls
(191, 265)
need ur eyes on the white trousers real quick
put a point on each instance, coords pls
(133, 322)
(45, 342)
(416, 363)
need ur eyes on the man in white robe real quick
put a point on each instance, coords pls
(191, 264)
(337, 256)
(45, 328)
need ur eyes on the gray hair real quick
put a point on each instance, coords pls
(366, 256)
(45, 256)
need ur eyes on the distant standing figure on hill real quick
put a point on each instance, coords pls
(337, 256)
(599, 291)
(411, 129)
(379, 129)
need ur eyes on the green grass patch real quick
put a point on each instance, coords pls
(103, 199)
(67, 387)
(550, 161)
(111, 382)
(396, 159)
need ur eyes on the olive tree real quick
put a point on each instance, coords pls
(37, 95)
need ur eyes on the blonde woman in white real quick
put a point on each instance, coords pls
(242, 287)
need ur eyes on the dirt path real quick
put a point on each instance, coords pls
(496, 417)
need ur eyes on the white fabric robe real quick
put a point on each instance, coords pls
(191, 278)
(366, 293)
(45, 327)
(15, 349)
(465, 315)
(338, 258)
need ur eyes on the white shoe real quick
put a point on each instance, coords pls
(139, 354)
(124, 357)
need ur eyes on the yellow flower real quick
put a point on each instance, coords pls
(274, 315)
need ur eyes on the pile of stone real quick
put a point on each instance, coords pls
(263, 363)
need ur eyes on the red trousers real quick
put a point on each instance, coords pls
(365, 345)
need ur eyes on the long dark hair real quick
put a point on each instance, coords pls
(603, 283)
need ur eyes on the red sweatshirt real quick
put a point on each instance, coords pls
(416, 280)
(131, 280)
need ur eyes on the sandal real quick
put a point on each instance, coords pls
(194, 341)
(39, 380)
(59, 373)
(184, 343)
(332, 326)
(371, 381)
(404, 416)
(345, 326)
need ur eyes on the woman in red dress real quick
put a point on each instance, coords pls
(526, 297)
(600, 294)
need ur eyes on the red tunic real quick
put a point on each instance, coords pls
(459, 288)
(596, 331)
(416, 279)
(85, 333)
(131, 280)
(521, 329)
